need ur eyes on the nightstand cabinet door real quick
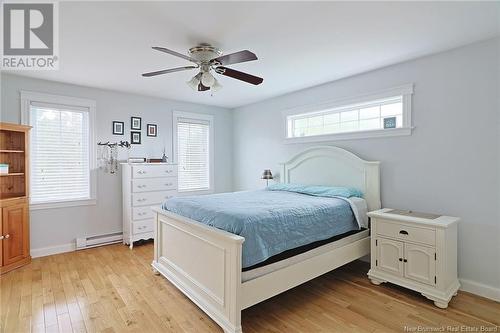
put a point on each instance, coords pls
(420, 263)
(390, 256)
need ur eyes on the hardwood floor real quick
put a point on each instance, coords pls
(112, 289)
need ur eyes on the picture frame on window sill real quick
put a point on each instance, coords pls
(135, 123)
(135, 138)
(118, 128)
(151, 130)
(389, 122)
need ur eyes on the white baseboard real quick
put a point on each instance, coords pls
(480, 289)
(50, 250)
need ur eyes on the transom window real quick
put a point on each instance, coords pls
(372, 117)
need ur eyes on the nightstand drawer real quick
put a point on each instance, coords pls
(406, 233)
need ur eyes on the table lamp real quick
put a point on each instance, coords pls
(267, 175)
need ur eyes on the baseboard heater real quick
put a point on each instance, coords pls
(100, 240)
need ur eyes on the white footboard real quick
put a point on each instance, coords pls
(204, 263)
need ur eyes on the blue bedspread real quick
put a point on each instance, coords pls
(270, 221)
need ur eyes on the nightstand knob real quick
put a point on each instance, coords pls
(400, 259)
(403, 232)
(404, 260)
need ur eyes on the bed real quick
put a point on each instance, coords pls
(223, 275)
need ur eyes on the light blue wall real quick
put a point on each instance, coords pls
(450, 164)
(61, 226)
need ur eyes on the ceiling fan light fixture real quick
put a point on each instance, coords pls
(206, 58)
(193, 83)
(216, 86)
(207, 79)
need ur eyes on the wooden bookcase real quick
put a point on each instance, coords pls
(14, 194)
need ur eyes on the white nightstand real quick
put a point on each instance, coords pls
(417, 251)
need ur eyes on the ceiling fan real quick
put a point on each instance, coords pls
(208, 58)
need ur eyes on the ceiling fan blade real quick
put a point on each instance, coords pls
(201, 87)
(239, 75)
(172, 70)
(234, 58)
(177, 54)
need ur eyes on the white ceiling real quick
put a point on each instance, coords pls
(299, 44)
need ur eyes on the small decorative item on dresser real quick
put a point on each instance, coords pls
(135, 138)
(151, 130)
(164, 157)
(417, 251)
(267, 174)
(118, 128)
(135, 123)
(4, 169)
(136, 160)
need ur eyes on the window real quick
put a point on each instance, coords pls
(383, 114)
(193, 151)
(61, 150)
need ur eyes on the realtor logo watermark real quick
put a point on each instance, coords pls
(30, 36)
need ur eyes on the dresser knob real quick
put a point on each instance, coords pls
(1, 237)
(403, 232)
(7, 236)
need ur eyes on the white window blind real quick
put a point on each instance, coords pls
(60, 153)
(193, 154)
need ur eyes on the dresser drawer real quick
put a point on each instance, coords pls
(151, 198)
(405, 232)
(154, 184)
(142, 226)
(154, 171)
(140, 213)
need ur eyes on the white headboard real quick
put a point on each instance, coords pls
(333, 166)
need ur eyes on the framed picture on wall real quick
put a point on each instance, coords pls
(151, 130)
(135, 123)
(118, 128)
(390, 122)
(135, 138)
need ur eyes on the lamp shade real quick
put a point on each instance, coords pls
(267, 174)
(193, 83)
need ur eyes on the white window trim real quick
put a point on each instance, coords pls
(196, 116)
(30, 96)
(404, 90)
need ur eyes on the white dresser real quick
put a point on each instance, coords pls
(417, 251)
(144, 185)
